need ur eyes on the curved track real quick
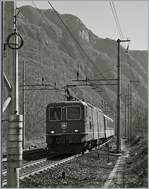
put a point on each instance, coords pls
(38, 166)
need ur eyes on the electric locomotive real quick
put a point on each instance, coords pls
(74, 126)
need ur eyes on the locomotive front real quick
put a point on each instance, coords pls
(65, 127)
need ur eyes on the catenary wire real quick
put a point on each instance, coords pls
(112, 6)
(71, 34)
(43, 16)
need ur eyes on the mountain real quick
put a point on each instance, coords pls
(50, 52)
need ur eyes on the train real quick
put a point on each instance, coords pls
(75, 126)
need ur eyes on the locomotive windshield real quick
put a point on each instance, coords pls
(55, 114)
(73, 113)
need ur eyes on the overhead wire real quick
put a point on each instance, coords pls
(58, 15)
(73, 37)
(43, 16)
(116, 18)
(120, 28)
(44, 19)
(71, 34)
(115, 15)
(38, 38)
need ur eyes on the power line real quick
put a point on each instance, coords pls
(73, 37)
(44, 17)
(117, 19)
(89, 84)
(112, 5)
(108, 79)
(82, 50)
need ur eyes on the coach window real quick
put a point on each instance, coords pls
(73, 113)
(55, 114)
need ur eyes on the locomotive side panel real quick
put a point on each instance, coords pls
(98, 125)
(89, 124)
(101, 124)
(95, 124)
(109, 126)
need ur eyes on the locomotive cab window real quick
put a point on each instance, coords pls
(55, 114)
(73, 113)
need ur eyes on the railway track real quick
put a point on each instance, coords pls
(38, 166)
(25, 166)
(30, 154)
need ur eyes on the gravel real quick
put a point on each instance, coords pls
(85, 171)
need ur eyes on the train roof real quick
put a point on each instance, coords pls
(76, 102)
(68, 102)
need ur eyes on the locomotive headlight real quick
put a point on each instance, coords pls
(52, 132)
(76, 130)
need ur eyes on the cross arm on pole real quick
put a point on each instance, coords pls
(7, 82)
(6, 103)
(134, 81)
(108, 79)
(119, 40)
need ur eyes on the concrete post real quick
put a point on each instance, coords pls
(14, 140)
(14, 150)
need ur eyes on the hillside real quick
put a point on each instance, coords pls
(50, 52)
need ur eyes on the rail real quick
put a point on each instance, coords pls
(36, 167)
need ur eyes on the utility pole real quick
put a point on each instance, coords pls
(10, 69)
(125, 104)
(119, 94)
(23, 101)
(128, 125)
(130, 110)
(131, 107)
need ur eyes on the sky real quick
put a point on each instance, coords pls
(97, 16)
